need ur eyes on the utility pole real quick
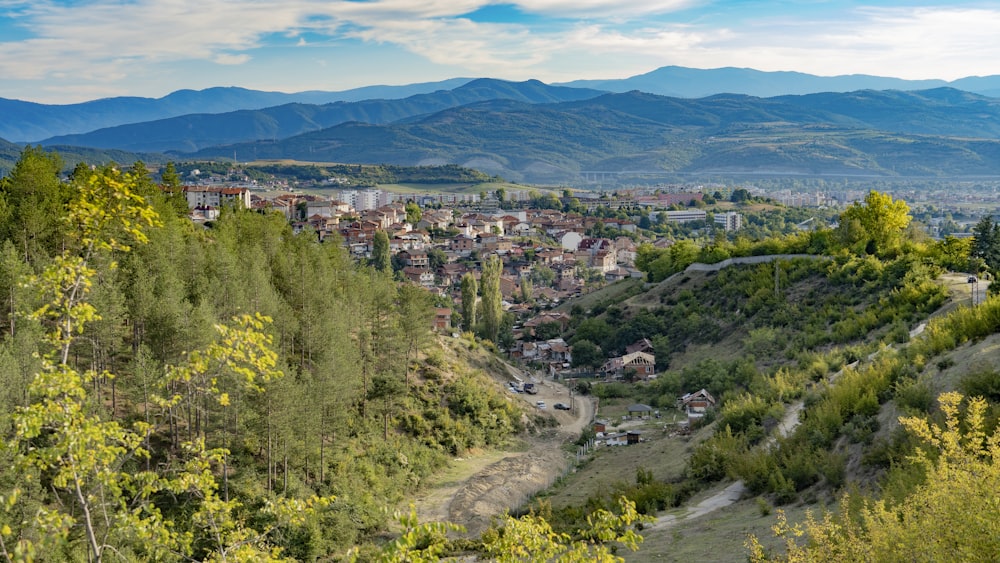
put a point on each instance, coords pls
(777, 283)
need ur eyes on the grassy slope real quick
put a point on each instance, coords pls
(719, 536)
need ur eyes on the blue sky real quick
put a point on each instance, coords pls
(64, 51)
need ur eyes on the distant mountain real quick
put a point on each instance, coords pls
(685, 82)
(197, 131)
(637, 134)
(28, 121)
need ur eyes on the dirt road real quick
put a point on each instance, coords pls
(484, 486)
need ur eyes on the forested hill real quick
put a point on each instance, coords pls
(322, 380)
(934, 133)
(189, 133)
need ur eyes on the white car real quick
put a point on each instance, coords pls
(540, 404)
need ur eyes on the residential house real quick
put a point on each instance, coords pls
(696, 404)
(415, 259)
(420, 276)
(442, 318)
(643, 363)
(643, 345)
(462, 244)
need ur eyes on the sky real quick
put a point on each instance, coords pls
(68, 51)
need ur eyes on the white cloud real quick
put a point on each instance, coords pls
(231, 59)
(616, 9)
(98, 42)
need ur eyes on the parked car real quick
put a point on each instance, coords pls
(561, 406)
(540, 404)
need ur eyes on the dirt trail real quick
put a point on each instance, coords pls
(487, 485)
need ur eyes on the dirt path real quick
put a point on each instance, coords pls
(478, 488)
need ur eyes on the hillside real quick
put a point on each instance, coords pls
(28, 121)
(195, 131)
(720, 335)
(627, 136)
(256, 370)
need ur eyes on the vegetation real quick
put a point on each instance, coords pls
(949, 516)
(239, 392)
(154, 411)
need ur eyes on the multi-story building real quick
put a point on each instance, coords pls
(204, 196)
(730, 221)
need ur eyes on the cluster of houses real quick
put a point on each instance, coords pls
(695, 405)
(436, 247)
(444, 244)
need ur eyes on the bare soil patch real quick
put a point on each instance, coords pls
(477, 488)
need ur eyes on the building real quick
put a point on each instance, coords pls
(205, 196)
(730, 221)
(643, 363)
(696, 404)
(685, 216)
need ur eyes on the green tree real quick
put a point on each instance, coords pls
(492, 300)
(740, 195)
(170, 177)
(99, 495)
(882, 220)
(413, 213)
(986, 243)
(416, 315)
(381, 255)
(587, 354)
(527, 295)
(32, 203)
(531, 537)
(470, 289)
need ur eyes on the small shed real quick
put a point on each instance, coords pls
(600, 426)
(633, 437)
(640, 410)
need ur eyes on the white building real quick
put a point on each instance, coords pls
(730, 221)
(686, 215)
(204, 196)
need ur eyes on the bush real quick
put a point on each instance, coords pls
(984, 383)
(914, 396)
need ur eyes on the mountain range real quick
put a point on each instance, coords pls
(533, 132)
(192, 132)
(940, 132)
(30, 122)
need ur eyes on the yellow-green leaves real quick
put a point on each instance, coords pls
(881, 220)
(952, 516)
(107, 212)
(530, 538)
(241, 357)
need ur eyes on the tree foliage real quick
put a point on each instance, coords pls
(156, 363)
(492, 300)
(950, 517)
(881, 221)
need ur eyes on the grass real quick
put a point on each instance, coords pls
(659, 453)
(610, 293)
(717, 537)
